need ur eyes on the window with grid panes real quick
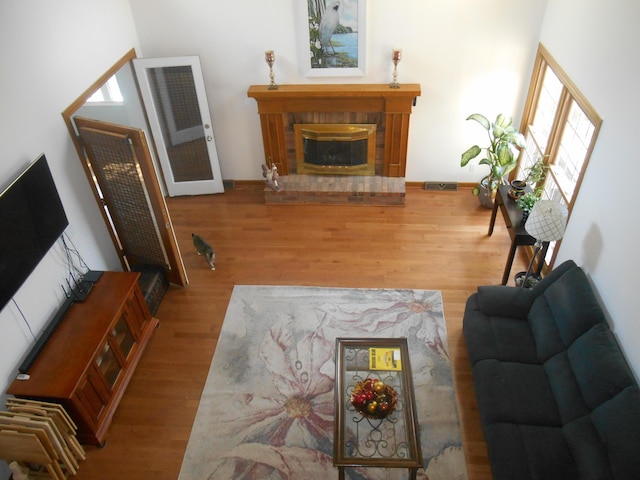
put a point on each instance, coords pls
(560, 127)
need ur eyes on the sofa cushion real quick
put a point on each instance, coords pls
(618, 424)
(565, 310)
(496, 337)
(605, 443)
(551, 277)
(529, 452)
(503, 301)
(565, 387)
(587, 449)
(599, 366)
(545, 330)
(514, 393)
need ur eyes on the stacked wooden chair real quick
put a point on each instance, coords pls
(40, 436)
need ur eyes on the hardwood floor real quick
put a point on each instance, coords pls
(437, 241)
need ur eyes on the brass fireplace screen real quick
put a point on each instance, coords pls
(335, 149)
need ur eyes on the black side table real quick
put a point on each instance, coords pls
(513, 219)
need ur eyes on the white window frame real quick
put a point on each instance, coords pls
(561, 127)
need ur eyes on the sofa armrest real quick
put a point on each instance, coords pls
(505, 301)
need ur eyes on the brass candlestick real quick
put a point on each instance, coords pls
(395, 58)
(270, 58)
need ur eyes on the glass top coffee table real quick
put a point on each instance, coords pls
(375, 438)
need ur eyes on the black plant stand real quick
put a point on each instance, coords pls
(513, 220)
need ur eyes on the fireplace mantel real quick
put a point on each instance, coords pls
(391, 105)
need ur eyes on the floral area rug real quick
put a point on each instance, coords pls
(267, 409)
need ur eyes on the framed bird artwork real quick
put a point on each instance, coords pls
(333, 38)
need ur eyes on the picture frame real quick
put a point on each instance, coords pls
(343, 54)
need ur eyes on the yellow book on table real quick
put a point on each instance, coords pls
(382, 358)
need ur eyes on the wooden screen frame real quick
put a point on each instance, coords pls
(178, 273)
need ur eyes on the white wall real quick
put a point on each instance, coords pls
(600, 54)
(51, 52)
(467, 55)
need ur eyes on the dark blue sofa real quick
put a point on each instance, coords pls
(556, 397)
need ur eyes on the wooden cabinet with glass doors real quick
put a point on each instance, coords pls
(87, 363)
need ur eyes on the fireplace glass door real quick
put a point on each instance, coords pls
(335, 149)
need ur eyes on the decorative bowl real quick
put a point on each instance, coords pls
(372, 398)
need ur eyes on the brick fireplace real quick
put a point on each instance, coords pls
(387, 109)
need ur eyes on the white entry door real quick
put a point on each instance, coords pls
(175, 100)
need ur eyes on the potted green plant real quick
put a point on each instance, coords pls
(504, 141)
(535, 175)
(526, 203)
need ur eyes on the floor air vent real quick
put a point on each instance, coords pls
(443, 186)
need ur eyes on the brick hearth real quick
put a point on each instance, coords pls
(337, 190)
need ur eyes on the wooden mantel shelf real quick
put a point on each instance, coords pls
(410, 90)
(393, 104)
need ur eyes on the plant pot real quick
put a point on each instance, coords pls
(517, 188)
(485, 195)
(531, 281)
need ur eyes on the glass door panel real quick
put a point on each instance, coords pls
(108, 365)
(176, 104)
(123, 337)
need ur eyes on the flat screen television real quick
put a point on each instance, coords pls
(32, 219)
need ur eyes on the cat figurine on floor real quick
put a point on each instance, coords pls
(203, 248)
